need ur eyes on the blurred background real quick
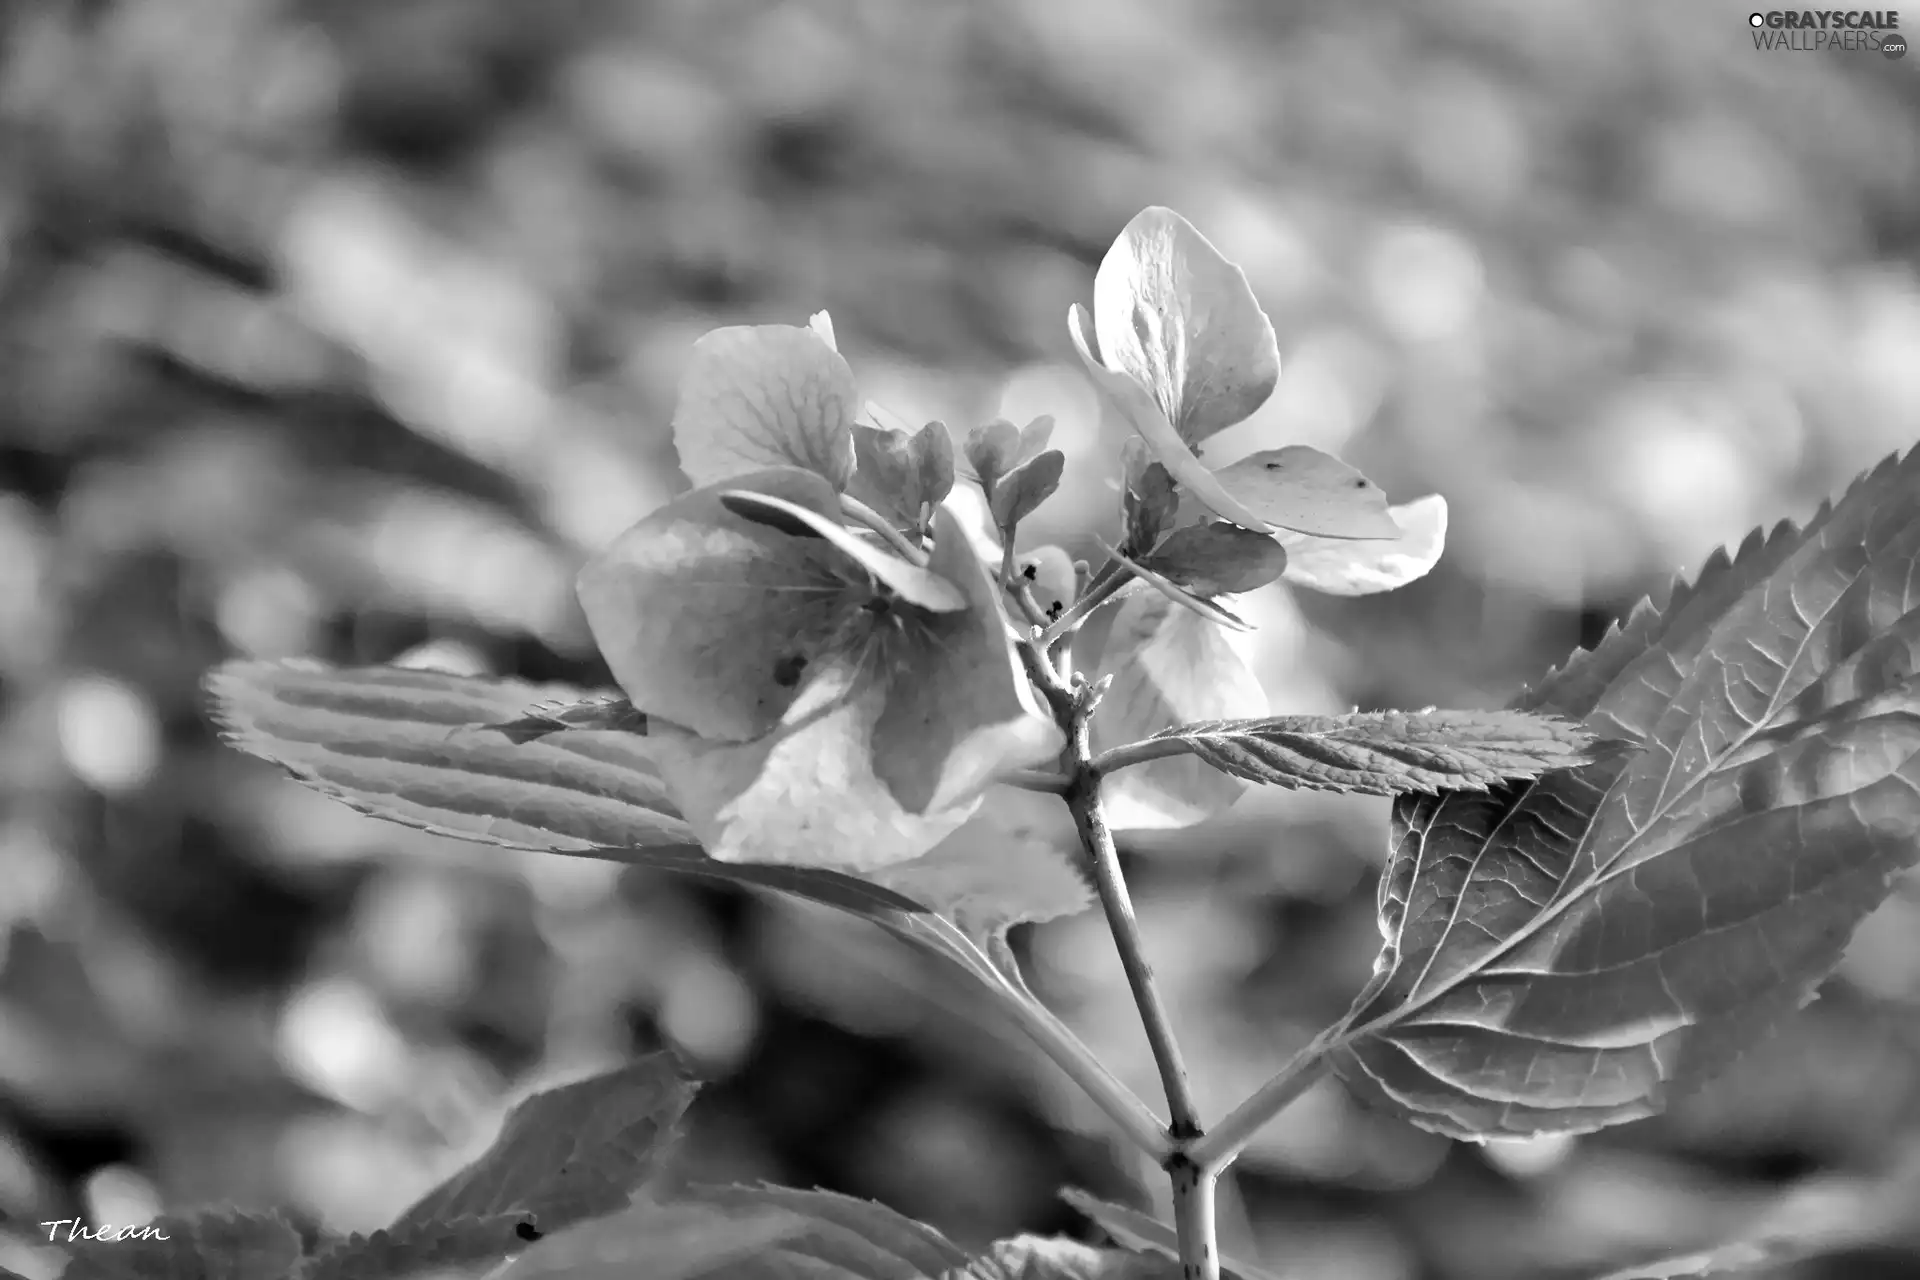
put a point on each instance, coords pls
(349, 330)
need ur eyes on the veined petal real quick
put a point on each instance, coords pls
(959, 708)
(805, 795)
(758, 396)
(1010, 863)
(1147, 419)
(711, 620)
(1182, 321)
(897, 728)
(1359, 567)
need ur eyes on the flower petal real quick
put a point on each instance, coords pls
(912, 583)
(708, 619)
(757, 396)
(959, 709)
(1169, 667)
(1150, 422)
(1307, 491)
(888, 745)
(805, 795)
(1349, 567)
(1011, 863)
(1182, 321)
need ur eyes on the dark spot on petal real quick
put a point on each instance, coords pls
(1273, 466)
(1030, 572)
(786, 672)
(1359, 484)
(527, 1231)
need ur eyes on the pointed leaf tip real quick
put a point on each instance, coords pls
(1568, 953)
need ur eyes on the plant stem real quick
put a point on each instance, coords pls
(1089, 815)
(867, 516)
(1102, 589)
(1193, 1219)
(1037, 780)
(1216, 1150)
(1137, 753)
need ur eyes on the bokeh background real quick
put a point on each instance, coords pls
(344, 329)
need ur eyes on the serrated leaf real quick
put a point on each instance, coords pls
(1169, 667)
(563, 1156)
(1367, 566)
(840, 1238)
(426, 749)
(415, 747)
(759, 396)
(1306, 491)
(1214, 559)
(1565, 954)
(659, 1241)
(605, 713)
(1739, 1258)
(1051, 1258)
(209, 1246)
(1019, 492)
(1383, 753)
(427, 1250)
(1143, 1233)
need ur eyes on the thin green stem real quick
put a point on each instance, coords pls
(1218, 1149)
(867, 516)
(1103, 588)
(1193, 1219)
(1089, 815)
(1037, 780)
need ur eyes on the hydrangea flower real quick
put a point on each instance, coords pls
(1179, 345)
(814, 697)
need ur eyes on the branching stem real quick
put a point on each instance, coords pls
(1216, 1150)
(1107, 584)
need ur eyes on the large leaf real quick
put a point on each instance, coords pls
(659, 1241)
(840, 1238)
(563, 1156)
(462, 756)
(1384, 752)
(209, 1246)
(1564, 954)
(414, 747)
